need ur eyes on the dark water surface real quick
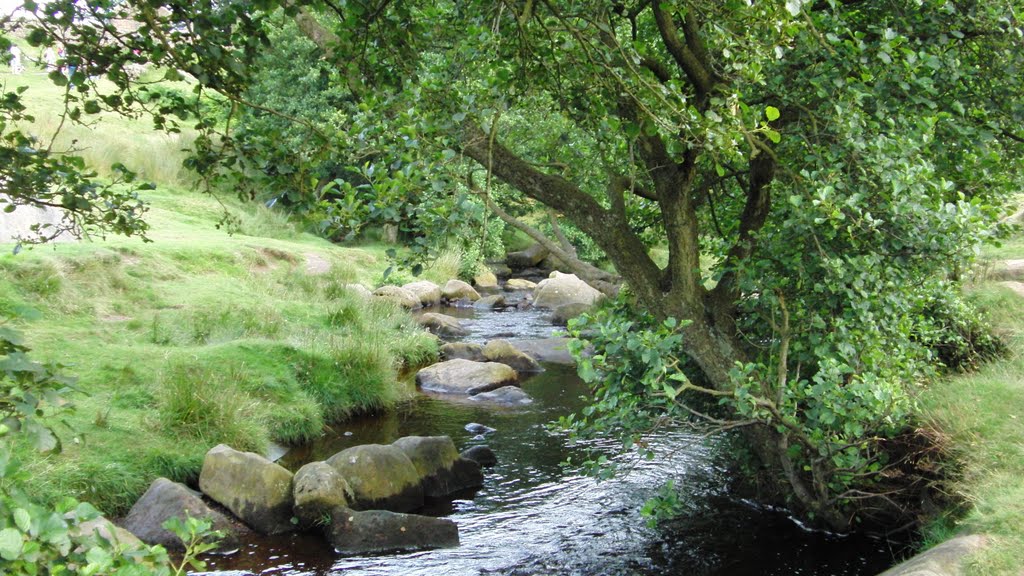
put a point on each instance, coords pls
(534, 517)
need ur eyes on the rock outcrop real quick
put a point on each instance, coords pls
(380, 477)
(254, 489)
(465, 377)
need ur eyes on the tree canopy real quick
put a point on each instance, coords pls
(819, 173)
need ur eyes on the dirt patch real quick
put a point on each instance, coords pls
(1017, 287)
(316, 264)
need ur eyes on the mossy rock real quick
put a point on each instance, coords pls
(256, 490)
(380, 477)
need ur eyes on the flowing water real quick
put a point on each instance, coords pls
(533, 516)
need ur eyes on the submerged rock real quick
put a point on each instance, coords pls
(380, 476)
(504, 352)
(482, 455)
(489, 302)
(505, 396)
(439, 465)
(165, 500)
(463, 350)
(318, 488)
(465, 377)
(475, 428)
(442, 325)
(253, 488)
(380, 531)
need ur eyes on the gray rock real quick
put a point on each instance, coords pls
(121, 538)
(256, 490)
(380, 477)
(459, 290)
(504, 352)
(318, 488)
(505, 396)
(464, 350)
(528, 258)
(551, 350)
(380, 531)
(428, 292)
(946, 559)
(165, 500)
(476, 428)
(442, 325)
(465, 377)
(566, 312)
(482, 455)
(519, 284)
(490, 302)
(500, 269)
(561, 289)
(442, 470)
(398, 296)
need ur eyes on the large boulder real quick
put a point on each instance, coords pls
(519, 284)
(505, 353)
(253, 488)
(442, 325)
(165, 500)
(485, 280)
(505, 396)
(459, 290)
(380, 477)
(561, 289)
(528, 258)
(438, 463)
(464, 350)
(318, 488)
(428, 292)
(380, 531)
(465, 377)
(566, 312)
(550, 350)
(398, 296)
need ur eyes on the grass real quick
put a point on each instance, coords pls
(242, 334)
(983, 415)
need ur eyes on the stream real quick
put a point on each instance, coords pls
(533, 516)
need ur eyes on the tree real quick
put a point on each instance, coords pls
(817, 171)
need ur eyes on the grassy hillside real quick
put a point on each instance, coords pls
(200, 336)
(983, 415)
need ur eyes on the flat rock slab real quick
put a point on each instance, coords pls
(552, 350)
(505, 396)
(380, 531)
(946, 559)
(465, 377)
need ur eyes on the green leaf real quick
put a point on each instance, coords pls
(11, 543)
(773, 135)
(22, 519)
(772, 113)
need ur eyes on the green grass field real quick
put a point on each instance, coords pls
(200, 336)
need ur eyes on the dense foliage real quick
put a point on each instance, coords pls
(817, 173)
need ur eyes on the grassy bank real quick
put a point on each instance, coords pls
(983, 415)
(202, 337)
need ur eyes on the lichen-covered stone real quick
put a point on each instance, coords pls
(428, 292)
(438, 463)
(398, 296)
(256, 490)
(459, 290)
(463, 350)
(504, 396)
(380, 477)
(442, 325)
(465, 377)
(317, 489)
(504, 352)
(561, 289)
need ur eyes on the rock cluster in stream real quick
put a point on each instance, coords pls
(359, 499)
